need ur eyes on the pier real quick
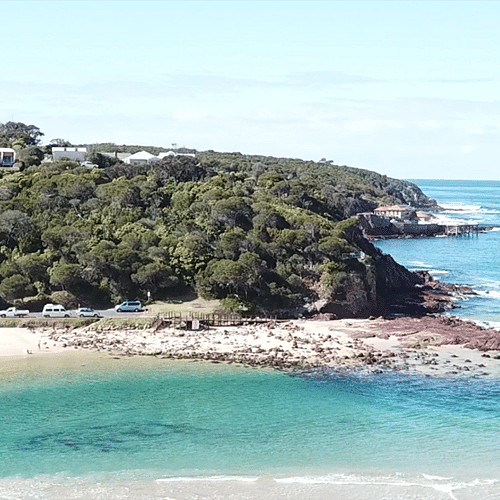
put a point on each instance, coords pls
(382, 227)
(195, 321)
(462, 229)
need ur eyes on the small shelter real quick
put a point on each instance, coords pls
(7, 157)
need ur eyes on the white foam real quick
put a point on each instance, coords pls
(344, 479)
(246, 479)
(494, 325)
(428, 476)
(490, 294)
(450, 221)
(437, 483)
(460, 207)
(419, 263)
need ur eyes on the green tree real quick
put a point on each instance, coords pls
(228, 277)
(15, 287)
(61, 143)
(66, 276)
(154, 276)
(16, 227)
(30, 156)
(34, 265)
(11, 131)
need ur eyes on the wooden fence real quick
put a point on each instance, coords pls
(195, 321)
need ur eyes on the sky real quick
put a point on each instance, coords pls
(407, 89)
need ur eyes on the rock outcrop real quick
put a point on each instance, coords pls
(379, 286)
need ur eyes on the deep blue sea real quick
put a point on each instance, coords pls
(95, 427)
(470, 260)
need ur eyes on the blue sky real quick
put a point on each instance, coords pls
(408, 89)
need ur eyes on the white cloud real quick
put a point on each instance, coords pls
(468, 148)
(372, 124)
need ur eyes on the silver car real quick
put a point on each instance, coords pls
(88, 312)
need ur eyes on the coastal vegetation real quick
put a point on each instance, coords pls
(261, 234)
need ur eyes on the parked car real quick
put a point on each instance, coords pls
(89, 164)
(129, 306)
(13, 312)
(87, 312)
(55, 311)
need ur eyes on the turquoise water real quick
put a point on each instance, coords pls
(146, 428)
(164, 423)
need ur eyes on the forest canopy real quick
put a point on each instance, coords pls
(261, 233)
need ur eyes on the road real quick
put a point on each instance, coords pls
(106, 313)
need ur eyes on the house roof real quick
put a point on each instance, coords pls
(69, 148)
(120, 156)
(7, 150)
(140, 155)
(392, 208)
(423, 215)
(173, 153)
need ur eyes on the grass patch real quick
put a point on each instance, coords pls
(198, 305)
(68, 323)
(125, 321)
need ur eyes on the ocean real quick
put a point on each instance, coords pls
(468, 260)
(91, 426)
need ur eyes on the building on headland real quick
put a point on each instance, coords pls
(119, 156)
(7, 157)
(143, 157)
(423, 216)
(139, 158)
(376, 226)
(174, 153)
(396, 211)
(69, 152)
(405, 222)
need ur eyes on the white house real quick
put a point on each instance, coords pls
(7, 157)
(140, 158)
(173, 153)
(119, 156)
(71, 153)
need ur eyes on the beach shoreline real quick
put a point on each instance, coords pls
(430, 345)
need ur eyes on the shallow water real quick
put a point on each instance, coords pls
(148, 428)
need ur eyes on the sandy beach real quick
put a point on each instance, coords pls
(21, 342)
(430, 345)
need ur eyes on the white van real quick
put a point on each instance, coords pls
(54, 311)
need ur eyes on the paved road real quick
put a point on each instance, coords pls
(106, 313)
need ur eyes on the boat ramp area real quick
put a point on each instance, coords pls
(376, 226)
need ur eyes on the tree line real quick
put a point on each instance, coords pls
(259, 233)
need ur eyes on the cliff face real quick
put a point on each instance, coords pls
(403, 192)
(376, 285)
(410, 194)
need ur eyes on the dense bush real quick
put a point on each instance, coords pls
(264, 233)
